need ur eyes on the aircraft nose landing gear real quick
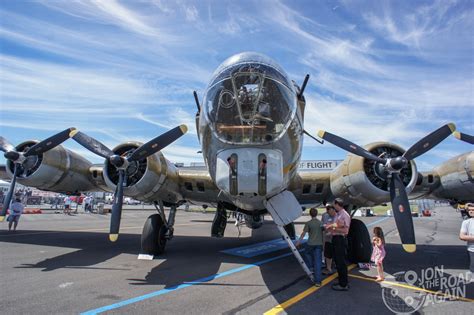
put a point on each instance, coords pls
(220, 221)
(157, 231)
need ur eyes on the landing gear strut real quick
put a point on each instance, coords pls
(157, 230)
(220, 221)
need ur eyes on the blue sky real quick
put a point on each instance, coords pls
(125, 70)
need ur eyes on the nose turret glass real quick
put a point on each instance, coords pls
(249, 102)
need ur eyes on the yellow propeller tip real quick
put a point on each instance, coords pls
(409, 248)
(321, 133)
(113, 237)
(73, 133)
(452, 127)
(2, 218)
(183, 128)
(457, 134)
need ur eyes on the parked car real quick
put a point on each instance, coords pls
(130, 201)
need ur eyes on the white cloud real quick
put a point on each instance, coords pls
(176, 117)
(112, 12)
(323, 47)
(163, 6)
(415, 27)
(192, 13)
(125, 70)
(358, 126)
(182, 154)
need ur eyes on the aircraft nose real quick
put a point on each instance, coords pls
(249, 171)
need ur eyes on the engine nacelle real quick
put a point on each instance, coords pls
(149, 179)
(58, 170)
(360, 181)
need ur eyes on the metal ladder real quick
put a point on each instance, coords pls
(295, 252)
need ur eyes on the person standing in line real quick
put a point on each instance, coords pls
(339, 230)
(54, 203)
(314, 246)
(91, 204)
(467, 234)
(67, 205)
(87, 201)
(77, 199)
(378, 252)
(16, 210)
(328, 218)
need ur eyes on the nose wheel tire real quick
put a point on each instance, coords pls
(153, 240)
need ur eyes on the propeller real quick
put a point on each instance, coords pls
(393, 166)
(121, 163)
(464, 137)
(22, 161)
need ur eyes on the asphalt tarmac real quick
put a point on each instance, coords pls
(59, 264)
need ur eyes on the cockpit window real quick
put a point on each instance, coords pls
(250, 104)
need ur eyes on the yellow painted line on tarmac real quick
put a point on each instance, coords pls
(414, 288)
(87, 230)
(281, 307)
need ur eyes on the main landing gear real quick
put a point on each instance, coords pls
(359, 244)
(157, 230)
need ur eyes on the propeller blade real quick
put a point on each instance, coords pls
(91, 144)
(6, 201)
(117, 208)
(464, 137)
(12, 155)
(158, 143)
(349, 146)
(402, 213)
(5, 146)
(429, 142)
(50, 142)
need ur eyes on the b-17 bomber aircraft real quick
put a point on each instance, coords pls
(251, 126)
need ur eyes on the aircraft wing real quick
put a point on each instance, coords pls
(312, 187)
(70, 173)
(197, 187)
(452, 180)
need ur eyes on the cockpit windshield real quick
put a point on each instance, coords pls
(250, 103)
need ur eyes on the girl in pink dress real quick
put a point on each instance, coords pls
(378, 252)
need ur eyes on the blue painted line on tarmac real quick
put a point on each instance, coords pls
(203, 280)
(182, 286)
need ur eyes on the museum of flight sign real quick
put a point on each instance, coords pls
(318, 165)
